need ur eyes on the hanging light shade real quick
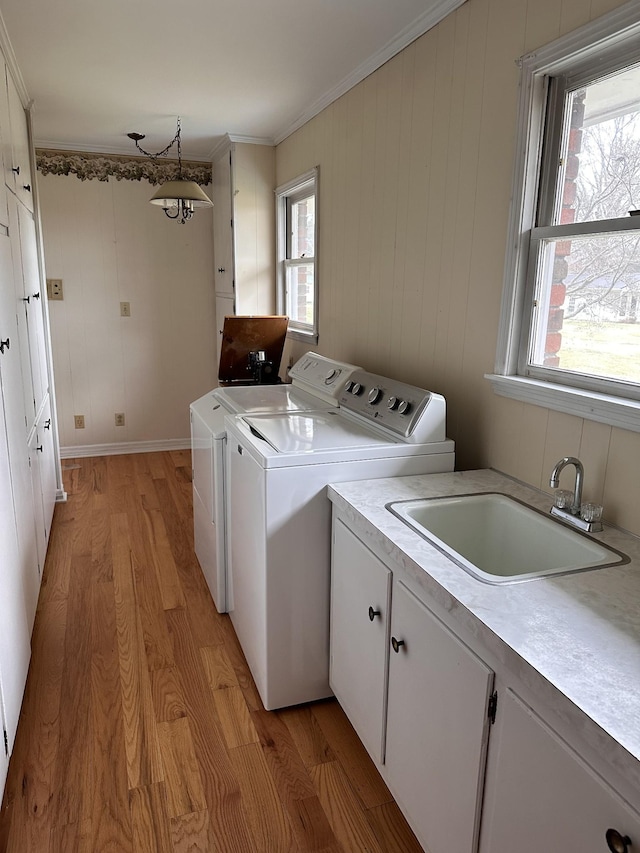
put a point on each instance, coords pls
(178, 198)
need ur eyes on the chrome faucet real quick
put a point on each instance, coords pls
(577, 491)
(573, 513)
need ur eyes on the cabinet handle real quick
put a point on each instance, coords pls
(15, 169)
(35, 295)
(27, 187)
(26, 299)
(5, 345)
(47, 423)
(616, 842)
(39, 448)
(396, 644)
(221, 269)
(373, 613)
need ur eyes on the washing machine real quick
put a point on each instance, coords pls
(316, 383)
(279, 517)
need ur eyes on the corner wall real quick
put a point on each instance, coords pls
(109, 245)
(414, 191)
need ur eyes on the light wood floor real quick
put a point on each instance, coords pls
(141, 728)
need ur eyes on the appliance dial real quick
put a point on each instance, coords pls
(392, 403)
(348, 386)
(404, 407)
(357, 388)
(330, 375)
(374, 395)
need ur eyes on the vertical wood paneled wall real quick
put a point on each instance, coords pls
(109, 245)
(415, 179)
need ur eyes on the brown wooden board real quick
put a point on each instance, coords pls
(242, 335)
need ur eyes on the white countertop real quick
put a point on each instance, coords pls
(578, 634)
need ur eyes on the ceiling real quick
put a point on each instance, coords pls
(250, 68)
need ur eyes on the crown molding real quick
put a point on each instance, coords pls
(229, 138)
(116, 151)
(436, 13)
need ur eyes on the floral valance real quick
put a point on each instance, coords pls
(101, 167)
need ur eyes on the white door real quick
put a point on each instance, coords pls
(360, 601)
(222, 225)
(225, 307)
(540, 792)
(14, 632)
(437, 727)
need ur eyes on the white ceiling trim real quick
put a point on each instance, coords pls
(419, 27)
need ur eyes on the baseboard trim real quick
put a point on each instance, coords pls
(124, 447)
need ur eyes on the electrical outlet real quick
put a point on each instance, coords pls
(78, 421)
(54, 289)
(125, 309)
(119, 417)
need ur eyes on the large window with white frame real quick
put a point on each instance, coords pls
(297, 273)
(570, 325)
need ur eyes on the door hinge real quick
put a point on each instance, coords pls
(6, 743)
(493, 707)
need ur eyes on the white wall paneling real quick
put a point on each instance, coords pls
(109, 245)
(416, 167)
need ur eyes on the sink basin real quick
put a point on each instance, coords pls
(499, 539)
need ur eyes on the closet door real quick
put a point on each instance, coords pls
(15, 646)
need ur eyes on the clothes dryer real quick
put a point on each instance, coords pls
(316, 383)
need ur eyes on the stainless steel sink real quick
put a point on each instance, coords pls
(499, 539)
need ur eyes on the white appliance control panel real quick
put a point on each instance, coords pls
(410, 413)
(321, 376)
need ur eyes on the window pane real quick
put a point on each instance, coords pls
(601, 151)
(587, 306)
(302, 224)
(300, 293)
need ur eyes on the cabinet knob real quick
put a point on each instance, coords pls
(39, 448)
(395, 644)
(15, 169)
(27, 187)
(221, 269)
(616, 842)
(47, 423)
(373, 613)
(26, 299)
(35, 295)
(5, 345)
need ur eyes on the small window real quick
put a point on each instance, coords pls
(297, 232)
(571, 313)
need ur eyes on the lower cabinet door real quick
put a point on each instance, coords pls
(437, 727)
(541, 796)
(360, 598)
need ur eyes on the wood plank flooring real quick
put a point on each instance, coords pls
(141, 728)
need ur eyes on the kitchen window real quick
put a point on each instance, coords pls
(297, 272)
(570, 325)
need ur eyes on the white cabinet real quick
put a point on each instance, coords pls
(17, 159)
(15, 648)
(360, 611)
(244, 226)
(436, 691)
(540, 792)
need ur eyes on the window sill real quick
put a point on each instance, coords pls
(305, 337)
(614, 411)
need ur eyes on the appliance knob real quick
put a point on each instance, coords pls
(404, 407)
(392, 403)
(348, 386)
(330, 375)
(357, 389)
(374, 395)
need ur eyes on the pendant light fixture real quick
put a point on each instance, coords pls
(178, 198)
